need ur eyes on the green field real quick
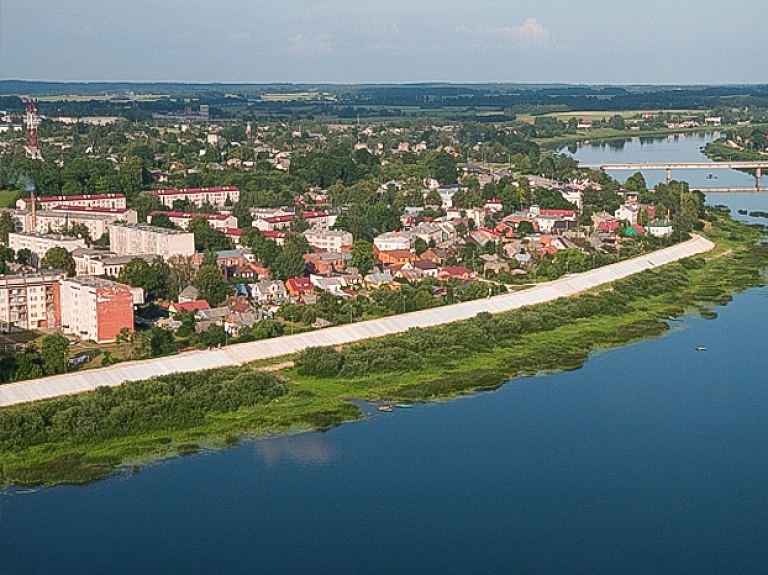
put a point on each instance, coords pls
(8, 198)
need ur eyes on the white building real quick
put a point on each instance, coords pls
(390, 241)
(329, 240)
(95, 308)
(144, 239)
(216, 196)
(29, 301)
(627, 213)
(39, 244)
(221, 222)
(97, 220)
(109, 201)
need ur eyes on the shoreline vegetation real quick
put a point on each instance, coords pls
(81, 438)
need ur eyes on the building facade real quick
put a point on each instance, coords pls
(216, 196)
(39, 244)
(109, 201)
(221, 222)
(96, 220)
(127, 240)
(30, 301)
(95, 308)
(329, 240)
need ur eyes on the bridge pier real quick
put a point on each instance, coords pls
(758, 175)
(669, 175)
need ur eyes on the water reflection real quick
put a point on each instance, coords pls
(303, 449)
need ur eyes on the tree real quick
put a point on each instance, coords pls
(7, 226)
(525, 228)
(211, 285)
(206, 238)
(617, 123)
(55, 349)
(636, 183)
(420, 246)
(362, 256)
(290, 262)
(145, 203)
(59, 258)
(443, 166)
(25, 257)
(434, 199)
(162, 220)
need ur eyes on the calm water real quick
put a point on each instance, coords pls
(651, 459)
(674, 148)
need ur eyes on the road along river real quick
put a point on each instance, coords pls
(68, 384)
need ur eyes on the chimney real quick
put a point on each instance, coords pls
(34, 211)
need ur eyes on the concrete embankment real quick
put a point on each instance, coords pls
(50, 387)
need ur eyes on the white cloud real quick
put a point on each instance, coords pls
(319, 45)
(529, 34)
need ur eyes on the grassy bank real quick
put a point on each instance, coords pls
(608, 134)
(83, 437)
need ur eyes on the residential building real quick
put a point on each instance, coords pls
(216, 196)
(39, 244)
(268, 291)
(109, 201)
(628, 213)
(390, 241)
(660, 229)
(325, 263)
(30, 301)
(188, 294)
(221, 222)
(329, 240)
(188, 307)
(145, 239)
(97, 220)
(299, 286)
(396, 257)
(95, 308)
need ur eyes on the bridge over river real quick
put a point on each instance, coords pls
(239, 354)
(711, 166)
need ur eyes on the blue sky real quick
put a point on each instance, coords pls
(340, 41)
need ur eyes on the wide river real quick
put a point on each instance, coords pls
(652, 458)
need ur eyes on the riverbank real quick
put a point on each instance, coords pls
(83, 437)
(608, 134)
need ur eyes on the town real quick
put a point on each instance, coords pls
(286, 230)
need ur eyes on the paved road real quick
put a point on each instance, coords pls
(49, 387)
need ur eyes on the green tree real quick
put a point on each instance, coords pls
(434, 199)
(25, 256)
(7, 226)
(145, 203)
(420, 246)
(207, 238)
(290, 262)
(161, 220)
(362, 256)
(59, 259)
(617, 123)
(55, 349)
(211, 285)
(444, 170)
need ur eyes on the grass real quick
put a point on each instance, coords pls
(8, 198)
(318, 403)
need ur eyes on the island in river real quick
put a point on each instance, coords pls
(87, 436)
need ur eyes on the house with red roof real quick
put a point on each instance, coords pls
(299, 286)
(175, 308)
(455, 272)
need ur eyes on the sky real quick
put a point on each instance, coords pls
(385, 41)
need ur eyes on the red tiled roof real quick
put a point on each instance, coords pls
(190, 215)
(53, 199)
(183, 191)
(317, 214)
(197, 305)
(456, 271)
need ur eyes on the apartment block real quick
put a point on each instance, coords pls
(127, 240)
(95, 308)
(109, 201)
(30, 301)
(221, 222)
(96, 220)
(39, 244)
(216, 196)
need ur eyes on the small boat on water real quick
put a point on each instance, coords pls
(404, 405)
(385, 407)
(699, 348)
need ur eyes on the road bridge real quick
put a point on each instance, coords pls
(88, 380)
(752, 165)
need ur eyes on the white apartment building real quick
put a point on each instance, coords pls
(97, 220)
(109, 201)
(29, 301)
(329, 240)
(127, 240)
(221, 222)
(39, 244)
(95, 308)
(216, 196)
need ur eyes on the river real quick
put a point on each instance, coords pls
(650, 459)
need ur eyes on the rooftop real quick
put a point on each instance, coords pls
(183, 191)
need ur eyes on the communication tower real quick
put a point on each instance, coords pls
(33, 121)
